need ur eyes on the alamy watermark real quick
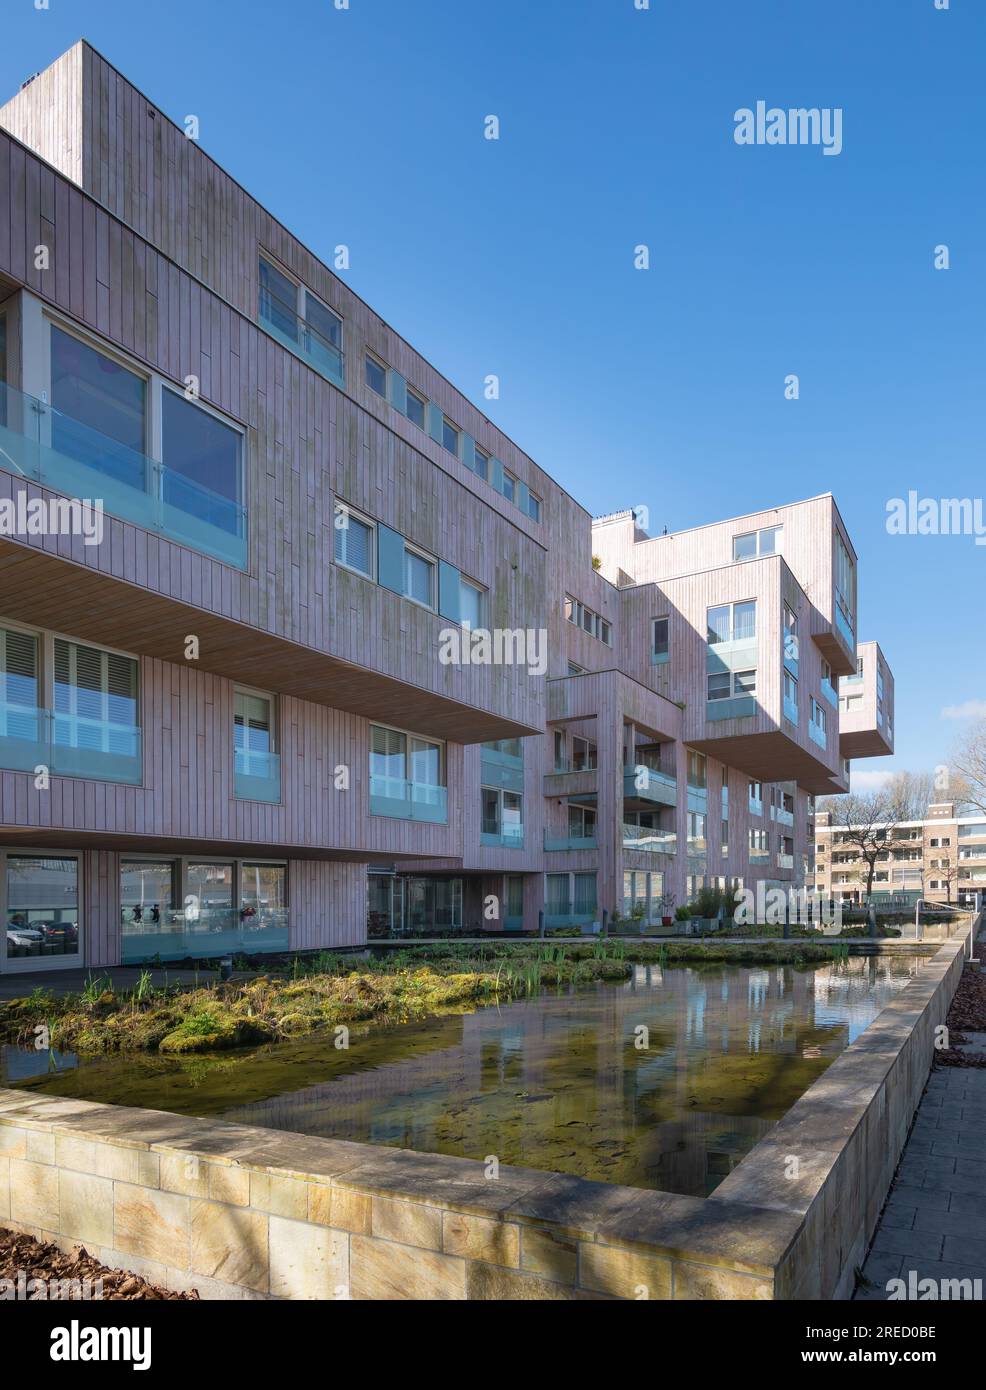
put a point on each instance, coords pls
(21, 515)
(498, 646)
(936, 516)
(801, 125)
(23, 1288)
(776, 906)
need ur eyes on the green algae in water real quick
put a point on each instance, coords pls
(560, 1081)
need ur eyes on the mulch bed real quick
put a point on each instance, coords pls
(968, 1011)
(34, 1259)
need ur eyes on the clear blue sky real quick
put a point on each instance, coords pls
(662, 387)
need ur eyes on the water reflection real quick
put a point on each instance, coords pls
(665, 1082)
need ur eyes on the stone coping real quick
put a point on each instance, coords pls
(764, 1220)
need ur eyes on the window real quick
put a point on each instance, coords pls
(533, 507)
(397, 757)
(263, 898)
(19, 683)
(419, 577)
(204, 462)
(294, 313)
(583, 754)
(253, 732)
(756, 798)
(696, 769)
(574, 669)
(354, 541)
(472, 604)
(791, 645)
(509, 485)
(581, 822)
(816, 725)
(724, 685)
(660, 638)
(99, 414)
(589, 621)
(415, 408)
(732, 622)
(503, 814)
(759, 842)
(376, 376)
(450, 437)
(845, 585)
(753, 544)
(560, 751)
(42, 905)
(790, 697)
(482, 464)
(95, 698)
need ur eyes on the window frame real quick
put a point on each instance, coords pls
(415, 550)
(411, 393)
(483, 595)
(369, 357)
(301, 305)
(364, 520)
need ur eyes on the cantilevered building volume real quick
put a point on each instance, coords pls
(228, 724)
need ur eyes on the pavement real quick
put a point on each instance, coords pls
(17, 984)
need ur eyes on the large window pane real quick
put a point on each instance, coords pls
(419, 578)
(263, 899)
(718, 624)
(491, 811)
(744, 621)
(426, 762)
(326, 325)
(388, 752)
(253, 732)
(99, 415)
(42, 906)
(95, 698)
(278, 300)
(354, 544)
(203, 458)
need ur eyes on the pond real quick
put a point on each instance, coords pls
(563, 1081)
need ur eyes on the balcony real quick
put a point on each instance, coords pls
(568, 918)
(866, 715)
(257, 776)
(817, 734)
(282, 322)
(89, 465)
(646, 841)
(784, 861)
(791, 710)
(643, 783)
(781, 816)
(208, 932)
(69, 745)
(554, 843)
(403, 800)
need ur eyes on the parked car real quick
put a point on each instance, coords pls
(24, 939)
(64, 935)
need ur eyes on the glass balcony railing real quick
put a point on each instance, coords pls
(45, 446)
(69, 745)
(828, 690)
(647, 841)
(845, 626)
(572, 842)
(784, 861)
(648, 784)
(257, 776)
(782, 817)
(493, 836)
(151, 933)
(403, 800)
(282, 322)
(817, 734)
(570, 918)
(791, 710)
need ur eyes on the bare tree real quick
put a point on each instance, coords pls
(913, 792)
(969, 762)
(866, 822)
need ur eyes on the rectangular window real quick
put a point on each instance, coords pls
(278, 300)
(263, 900)
(19, 683)
(753, 544)
(203, 459)
(509, 485)
(354, 541)
(376, 376)
(581, 822)
(95, 695)
(533, 507)
(724, 685)
(472, 604)
(589, 621)
(845, 584)
(99, 411)
(42, 905)
(401, 763)
(503, 814)
(719, 686)
(450, 437)
(660, 639)
(415, 408)
(482, 465)
(560, 751)
(253, 731)
(732, 622)
(583, 754)
(419, 578)
(696, 770)
(791, 645)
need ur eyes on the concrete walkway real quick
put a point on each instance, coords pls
(934, 1222)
